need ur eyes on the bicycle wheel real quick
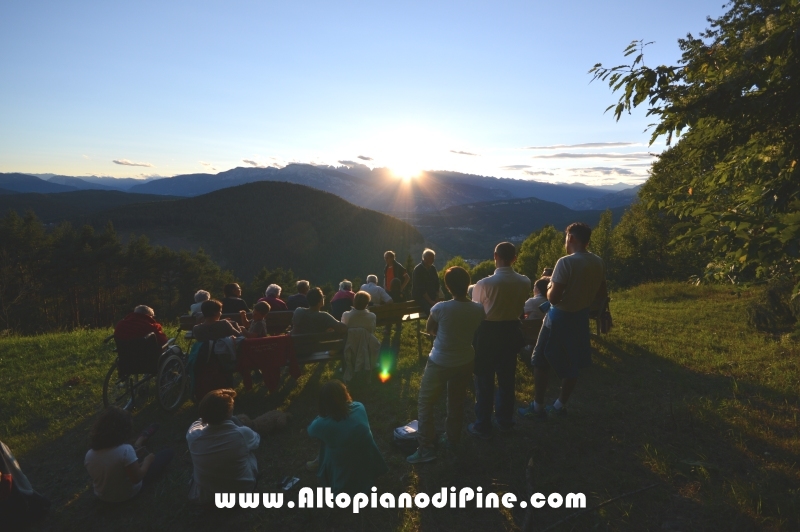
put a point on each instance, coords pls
(117, 391)
(171, 383)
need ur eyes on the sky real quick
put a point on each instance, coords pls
(136, 89)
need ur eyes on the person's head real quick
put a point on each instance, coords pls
(315, 298)
(334, 400)
(232, 290)
(428, 256)
(389, 257)
(260, 310)
(361, 301)
(144, 309)
(346, 286)
(469, 291)
(577, 237)
(505, 254)
(395, 285)
(211, 309)
(303, 287)
(201, 295)
(547, 272)
(372, 279)
(217, 406)
(273, 290)
(540, 286)
(113, 428)
(456, 279)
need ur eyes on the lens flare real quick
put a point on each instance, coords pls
(384, 376)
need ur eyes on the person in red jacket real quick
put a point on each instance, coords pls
(139, 324)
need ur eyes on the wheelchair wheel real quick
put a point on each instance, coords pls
(171, 382)
(117, 391)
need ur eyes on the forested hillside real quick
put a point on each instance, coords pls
(66, 206)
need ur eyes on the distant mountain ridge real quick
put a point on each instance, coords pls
(16, 182)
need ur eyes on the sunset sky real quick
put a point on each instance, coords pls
(164, 88)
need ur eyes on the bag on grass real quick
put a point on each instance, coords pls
(406, 438)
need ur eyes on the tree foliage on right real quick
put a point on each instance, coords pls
(732, 179)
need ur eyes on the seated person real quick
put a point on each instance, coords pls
(342, 300)
(299, 300)
(313, 320)
(360, 316)
(199, 297)
(257, 328)
(547, 272)
(273, 296)
(378, 296)
(139, 324)
(233, 302)
(348, 461)
(532, 310)
(396, 291)
(117, 473)
(221, 449)
(212, 327)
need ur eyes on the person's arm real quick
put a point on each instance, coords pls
(555, 293)
(406, 280)
(137, 470)
(385, 297)
(243, 317)
(432, 326)
(602, 292)
(160, 336)
(336, 325)
(251, 438)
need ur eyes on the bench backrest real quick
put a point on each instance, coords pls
(396, 312)
(318, 347)
(277, 322)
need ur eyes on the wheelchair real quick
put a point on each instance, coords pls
(137, 362)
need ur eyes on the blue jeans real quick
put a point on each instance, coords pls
(496, 348)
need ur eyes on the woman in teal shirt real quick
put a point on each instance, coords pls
(349, 460)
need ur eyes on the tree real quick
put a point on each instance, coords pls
(732, 101)
(540, 250)
(484, 269)
(455, 261)
(600, 243)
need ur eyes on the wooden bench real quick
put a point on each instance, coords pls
(277, 322)
(393, 313)
(321, 347)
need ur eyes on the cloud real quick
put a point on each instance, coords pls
(568, 155)
(85, 156)
(648, 165)
(364, 158)
(515, 167)
(126, 162)
(584, 145)
(349, 163)
(207, 165)
(604, 170)
(538, 172)
(462, 152)
(253, 163)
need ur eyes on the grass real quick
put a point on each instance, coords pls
(682, 394)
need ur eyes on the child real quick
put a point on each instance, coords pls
(532, 310)
(258, 327)
(117, 474)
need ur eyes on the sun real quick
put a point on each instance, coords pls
(405, 173)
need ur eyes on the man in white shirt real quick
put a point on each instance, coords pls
(498, 341)
(378, 296)
(221, 450)
(564, 341)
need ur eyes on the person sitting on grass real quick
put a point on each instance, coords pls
(212, 327)
(233, 302)
(360, 316)
(348, 460)
(118, 474)
(450, 364)
(313, 320)
(257, 328)
(299, 300)
(139, 324)
(273, 297)
(564, 341)
(221, 449)
(532, 310)
(199, 297)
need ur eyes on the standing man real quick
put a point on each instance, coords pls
(394, 270)
(299, 300)
(564, 341)
(425, 281)
(498, 341)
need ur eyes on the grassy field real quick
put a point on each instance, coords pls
(682, 395)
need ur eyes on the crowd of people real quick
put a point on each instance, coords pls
(476, 337)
